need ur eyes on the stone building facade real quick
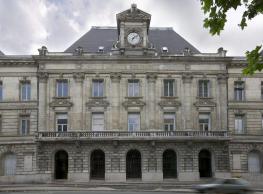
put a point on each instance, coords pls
(125, 103)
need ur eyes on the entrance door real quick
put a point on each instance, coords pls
(97, 164)
(254, 162)
(133, 164)
(61, 165)
(169, 164)
(205, 164)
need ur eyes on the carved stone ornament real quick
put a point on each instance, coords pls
(60, 102)
(133, 102)
(205, 102)
(151, 77)
(133, 14)
(115, 77)
(169, 103)
(43, 51)
(97, 102)
(79, 76)
(79, 51)
(187, 77)
(42, 76)
(222, 78)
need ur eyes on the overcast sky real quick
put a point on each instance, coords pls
(26, 25)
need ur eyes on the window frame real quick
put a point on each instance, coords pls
(133, 83)
(61, 114)
(242, 118)
(138, 123)
(239, 86)
(209, 125)
(168, 87)
(98, 88)
(201, 85)
(24, 121)
(1, 90)
(27, 87)
(64, 82)
(174, 121)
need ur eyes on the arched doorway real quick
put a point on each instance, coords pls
(61, 165)
(133, 164)
(254, 162)
(97, 165)
(169, 164)
(205, 164)
(9, 164)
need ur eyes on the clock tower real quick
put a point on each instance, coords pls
(133, 28)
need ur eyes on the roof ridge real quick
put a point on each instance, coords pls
(114, 28)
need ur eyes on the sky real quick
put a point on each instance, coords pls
(26, 25)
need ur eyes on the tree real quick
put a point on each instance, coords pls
(216, 18)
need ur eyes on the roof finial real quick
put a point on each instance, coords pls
(133, 7)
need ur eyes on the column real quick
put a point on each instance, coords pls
(42, 114)
(151, 77)
(115, 100)
(222, 101)
(187, 101)
(77, 95)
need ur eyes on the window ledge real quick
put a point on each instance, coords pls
(61, 97)
(198, 97)
(134, 97)
(98, 97)
(169, 97)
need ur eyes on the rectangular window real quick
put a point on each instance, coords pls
(62, 88)
(97, 88)
(24, 125)
(98, 122)
(62, 122)
(203, 88)
(25, 93)
(1, 90)
(239, 90)
(262, 90)
(1, 123)
(168, 87)
(239, 124)
(204, 121)
(261, 121)
(169, 121)
(133, 122)
(133, 88)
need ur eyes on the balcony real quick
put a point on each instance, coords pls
(138, 135)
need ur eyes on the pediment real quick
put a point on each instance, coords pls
(97, 103)
(133, 102)
(205, 102)
(60, 102)
(169, 103)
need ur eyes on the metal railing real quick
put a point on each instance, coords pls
(126, 134)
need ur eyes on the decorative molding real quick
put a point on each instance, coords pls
(169, 102)
(97, 102)
(205, 102)
(222, 78)
(60, 102)
(133, 102)
(115, 77)
(42, 77)
(133, 14)
(43, 51)
(187, 77)
(151, 77)
(79, 76)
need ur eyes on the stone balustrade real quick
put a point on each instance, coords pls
(136, 135)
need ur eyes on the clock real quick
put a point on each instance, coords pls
(133, 38)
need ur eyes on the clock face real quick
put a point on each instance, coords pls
(133, 38)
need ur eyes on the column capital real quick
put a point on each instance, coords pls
(151, 77)
(42, 76)
(78, 76)
(222, 78)
(187, 77)
(115, 76)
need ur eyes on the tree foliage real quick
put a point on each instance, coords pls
(216, 17)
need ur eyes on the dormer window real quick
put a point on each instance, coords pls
(164, 49)
(101, 49)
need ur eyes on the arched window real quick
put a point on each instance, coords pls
(254, 162)
(97, 165)
(205, 163)
(9, 164)
(169, 164)
(61, 165)
(133, 164)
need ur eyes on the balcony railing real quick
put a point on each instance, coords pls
(137, 135)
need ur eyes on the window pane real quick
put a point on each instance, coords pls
(204, 121)
(24, 125)
(61, 122)
(62, 88)
(169, 121)
(133, 121)
(9, 164)
(168, 87)
(1, 91)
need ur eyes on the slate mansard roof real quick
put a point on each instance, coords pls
(1, 53)
(107, 36)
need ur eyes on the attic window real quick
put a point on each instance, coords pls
(101, 49)
(164, 49)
